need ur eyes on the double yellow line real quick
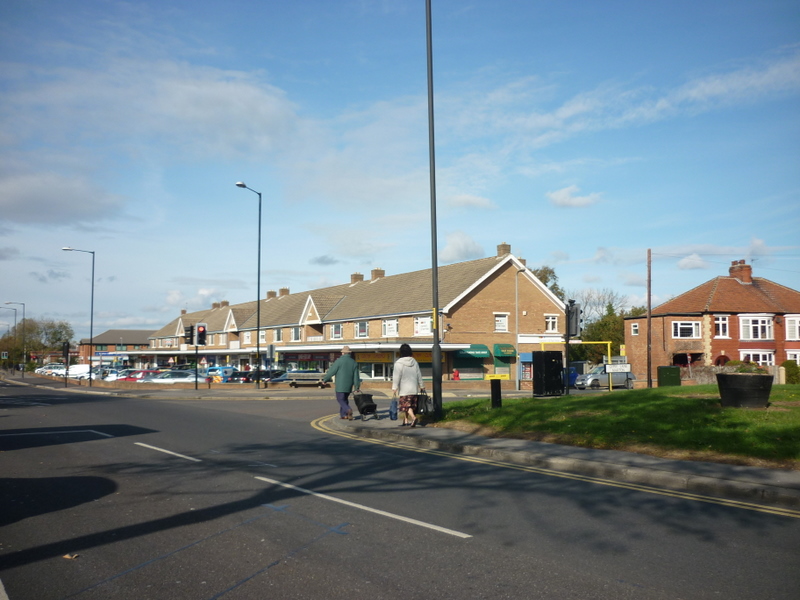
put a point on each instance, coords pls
(322, 424)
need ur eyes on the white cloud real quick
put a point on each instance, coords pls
(460, 247)
(567, 197)
(693, 261)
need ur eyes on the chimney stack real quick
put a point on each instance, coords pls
(272, 294)
(503, 249)
(224, 304)
(283, 292)
(183, 311)
(741, 271)
(356, 277)
(377, 274)
(214, 305)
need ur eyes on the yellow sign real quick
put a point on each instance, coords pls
(499, 376)
(622, 350)
(373, 357)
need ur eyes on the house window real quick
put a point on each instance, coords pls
(248, 337)
(223, 339)
(422, 325)
(336, 331)
(795, 356)
(765, 359)
(262, 337)
(634, 329)
(501, 322)
(686, 329)
(551, 323)
(389, 328)
(793, 328)
(362, 329)
(277, 335)
(296, 334)
(721, 327)
(756, 328)
(210, 339)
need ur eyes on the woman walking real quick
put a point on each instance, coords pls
(407, 383)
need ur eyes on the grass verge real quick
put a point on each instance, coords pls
(678, 422)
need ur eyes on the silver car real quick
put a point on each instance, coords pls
(597, 378)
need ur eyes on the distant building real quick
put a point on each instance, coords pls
(738, 317)
(115, 346)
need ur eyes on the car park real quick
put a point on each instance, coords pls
(252, 376)
(138, 375)
(219, 374)
(171, 377)
(598, 378)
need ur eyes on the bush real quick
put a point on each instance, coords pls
(792, 371)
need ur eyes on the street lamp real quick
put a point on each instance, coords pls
(516, 323)
(24, 347)
(91, 312)
(258, 288)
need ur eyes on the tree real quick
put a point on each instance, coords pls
(608, 328)
(594, 303)
(40, 337)
(547, 276)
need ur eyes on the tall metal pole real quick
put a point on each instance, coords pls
(24, 346)
(258, 289)
(15, 333)
(91, 314)
(436, 354)
(649, 320)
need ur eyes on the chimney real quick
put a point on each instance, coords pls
(741, 271)
(215, 305)
(524, 262)
(283, 292)
(503, 249)
(355, 278)
(183, 311)
(377, 274)
(272, 294)
(224, 304)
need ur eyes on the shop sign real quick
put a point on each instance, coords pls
(374, 357)
(498, 376)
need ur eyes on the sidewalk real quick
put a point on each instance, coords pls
(748, 484)
(762, 486)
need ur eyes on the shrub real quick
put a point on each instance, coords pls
(792, 371)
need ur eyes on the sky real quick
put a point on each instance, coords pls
(581, 133)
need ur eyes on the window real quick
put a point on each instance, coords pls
(721, 327)
(121, 347)
(297, 335)
(551, 323)
(262, 337)
(223, 339)
(793, 328)
(422, 325)
(278, 335)
(336, 331)
(634, 329)
(795, 356)
(362, 329)
(765, 359)
(248, 338)
(501, 321)
(210, 339)
(756, 328)
(103, 347)
(389, 328)
(686, 329)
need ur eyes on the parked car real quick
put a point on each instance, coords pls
(115, 374)
(252, 376)
(597, 378)
(170, 377)
(139, 374)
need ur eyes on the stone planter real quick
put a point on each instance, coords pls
(744, 390)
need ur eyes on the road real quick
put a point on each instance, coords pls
(140, 498)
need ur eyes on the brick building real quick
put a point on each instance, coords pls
(738, 317)
(490, 310)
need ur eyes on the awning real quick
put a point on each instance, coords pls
(474, 351)
(504, 350)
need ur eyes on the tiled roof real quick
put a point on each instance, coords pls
(403, 294)
(128, 336)
(730, 295)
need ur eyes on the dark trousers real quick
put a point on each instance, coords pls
(344, 405)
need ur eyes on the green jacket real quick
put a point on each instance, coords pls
(346, 372)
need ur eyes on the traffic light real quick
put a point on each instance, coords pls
(188, 335)
(574, 319)
(201, 334)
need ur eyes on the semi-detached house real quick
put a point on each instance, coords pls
(738, 317)
(490, 309)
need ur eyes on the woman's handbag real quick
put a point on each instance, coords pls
(393, 409)
(424, 404)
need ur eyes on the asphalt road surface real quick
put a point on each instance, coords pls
(184, 499)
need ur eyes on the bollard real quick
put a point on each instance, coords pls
(497, 400)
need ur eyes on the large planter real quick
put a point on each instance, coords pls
(744, 390)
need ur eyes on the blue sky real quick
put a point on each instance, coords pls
(581, 133)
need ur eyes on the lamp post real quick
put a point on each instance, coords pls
(516, 323)
(258, 288)
(91, 313)
(24, 347)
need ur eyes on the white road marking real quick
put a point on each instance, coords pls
(167, 452)
(367, 508)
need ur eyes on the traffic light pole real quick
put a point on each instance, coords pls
(196, 362)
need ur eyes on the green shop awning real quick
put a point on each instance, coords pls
(504, 350)
(474, 351)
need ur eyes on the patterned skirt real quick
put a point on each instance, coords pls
(407, 402)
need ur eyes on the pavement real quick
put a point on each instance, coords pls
(745, 484)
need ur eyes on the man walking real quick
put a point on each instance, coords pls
(348, 379)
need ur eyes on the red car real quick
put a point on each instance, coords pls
(139, 375)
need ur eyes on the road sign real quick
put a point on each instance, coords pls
(618, 368)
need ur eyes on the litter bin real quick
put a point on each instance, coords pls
(668, 376)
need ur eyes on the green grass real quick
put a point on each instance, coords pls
(679, 422)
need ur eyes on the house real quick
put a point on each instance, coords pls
(490, 309)
(733, 317)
